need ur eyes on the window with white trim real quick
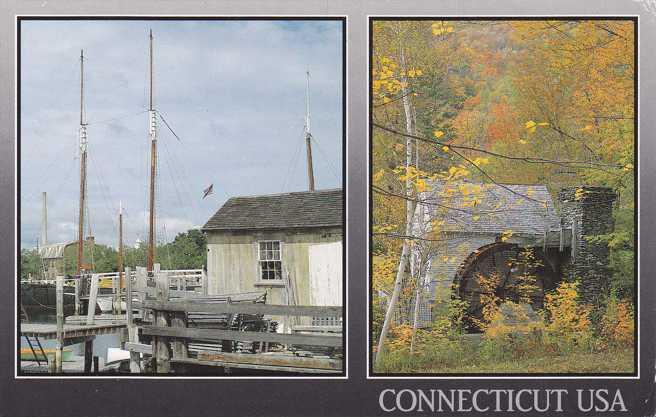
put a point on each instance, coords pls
(269, 259)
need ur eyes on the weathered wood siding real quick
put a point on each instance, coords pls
(325, 265)
(232, 262)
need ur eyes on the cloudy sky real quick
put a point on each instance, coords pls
(233, 91)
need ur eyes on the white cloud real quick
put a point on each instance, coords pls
(232, 90)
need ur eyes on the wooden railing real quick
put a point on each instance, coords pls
(165, 319)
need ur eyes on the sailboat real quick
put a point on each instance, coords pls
(37, 297)
(106, 304)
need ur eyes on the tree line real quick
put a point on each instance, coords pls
(187, 251)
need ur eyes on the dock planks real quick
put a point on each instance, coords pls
(71, 331)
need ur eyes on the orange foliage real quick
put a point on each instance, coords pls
(618, 325)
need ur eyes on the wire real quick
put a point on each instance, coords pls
(327, 159)
(161, 116)
(179, 170)
(292, 165)
(117, 118)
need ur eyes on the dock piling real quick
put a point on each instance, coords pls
(59, 294)
(88, 354)
(161, 318)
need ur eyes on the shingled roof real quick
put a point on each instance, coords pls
(491, 208)
(323, 208)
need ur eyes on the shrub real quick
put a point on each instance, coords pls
(568, 324)
(399, 338)
(512, 333)
(617, 324)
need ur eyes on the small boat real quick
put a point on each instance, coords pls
(39, 299)
(26, 354)
(106, 303)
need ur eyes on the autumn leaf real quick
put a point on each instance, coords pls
(438, 133)
(480, 161)
(507, 234)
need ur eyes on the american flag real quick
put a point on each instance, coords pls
(209, 190)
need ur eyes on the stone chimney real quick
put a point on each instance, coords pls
(588, 211)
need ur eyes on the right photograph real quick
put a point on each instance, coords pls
(503, 227)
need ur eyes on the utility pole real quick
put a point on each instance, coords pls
(308, 135)
(83, 172)
(153, 166)
(44, 221)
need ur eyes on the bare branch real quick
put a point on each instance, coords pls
(527, 159)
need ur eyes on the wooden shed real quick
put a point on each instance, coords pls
(289, 245)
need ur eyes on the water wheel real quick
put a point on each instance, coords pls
(503, 271)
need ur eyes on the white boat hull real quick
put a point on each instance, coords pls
(106, 304)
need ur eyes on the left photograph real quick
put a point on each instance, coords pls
(181, 197)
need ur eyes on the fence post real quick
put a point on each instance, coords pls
(77, 296)
(114, 295)
(140, 285)
(133, 337)
(93, 298)
(161, 344)
(205, 284)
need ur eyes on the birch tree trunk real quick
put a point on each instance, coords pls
(409, 127)
(415, 322)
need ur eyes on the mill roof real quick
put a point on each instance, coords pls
(308, 209)
(490, 208)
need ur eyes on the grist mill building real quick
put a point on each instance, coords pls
(289, 245)
(481, 228)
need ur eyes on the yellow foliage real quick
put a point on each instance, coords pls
(383, 273)
(579, 194)
(569, 321)
(531, 126)
(500, 328)
(457, 172)
(438, 134)
(378, 175)
(507, 234)
(481, 161)
(440, 28)
(400, 338)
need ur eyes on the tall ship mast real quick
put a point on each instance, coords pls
(308, 135)
(83, 173)
(152, 117)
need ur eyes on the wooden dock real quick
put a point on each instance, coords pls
(182, 334)
(71, 331)
(173, 326)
